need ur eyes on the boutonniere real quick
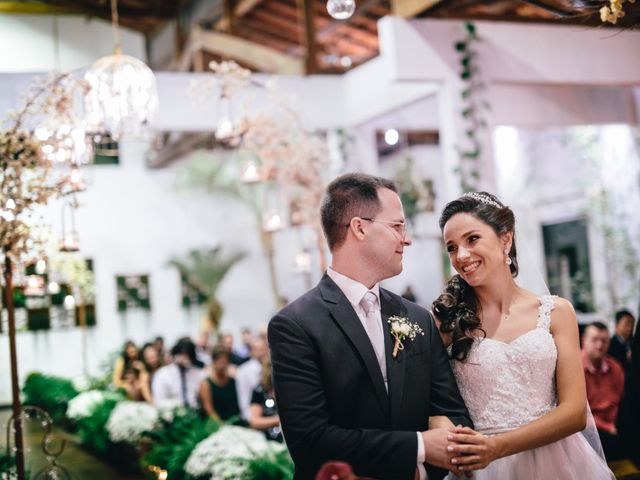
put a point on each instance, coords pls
(401, 328)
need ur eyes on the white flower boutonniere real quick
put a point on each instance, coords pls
(401, 328)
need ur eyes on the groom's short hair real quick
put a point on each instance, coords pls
(350, 195)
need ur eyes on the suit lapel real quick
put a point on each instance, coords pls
(395, 366)
(344, 315)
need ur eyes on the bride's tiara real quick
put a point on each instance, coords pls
(482, 198)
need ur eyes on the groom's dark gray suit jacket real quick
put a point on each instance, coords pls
(331, 395)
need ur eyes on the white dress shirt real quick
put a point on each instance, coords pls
(166, 386)
(355, 291)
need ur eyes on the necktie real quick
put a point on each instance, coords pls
(373, 326)
(183, 386)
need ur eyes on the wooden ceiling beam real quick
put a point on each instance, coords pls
(283, 9)
(263, 58)
(308, 39)
(265, 17)
(174, 149)
(263, 37)
(288, 34)
(240, 9)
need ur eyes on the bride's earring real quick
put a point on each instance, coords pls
(508, 260)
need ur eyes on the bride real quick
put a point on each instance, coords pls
(516, 357)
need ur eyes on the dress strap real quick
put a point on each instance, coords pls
(544, 311)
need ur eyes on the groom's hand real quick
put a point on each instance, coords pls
(436, 449)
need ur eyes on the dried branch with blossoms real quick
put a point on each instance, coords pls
(614, 11)
(28, 176)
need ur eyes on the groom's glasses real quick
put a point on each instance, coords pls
(399, 227)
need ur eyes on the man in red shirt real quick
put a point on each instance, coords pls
(605, 385)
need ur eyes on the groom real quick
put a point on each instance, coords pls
(341, 393)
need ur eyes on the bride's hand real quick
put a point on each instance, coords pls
(473, 450)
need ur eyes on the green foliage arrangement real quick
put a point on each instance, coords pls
(8, 468)
(92, 429)
(174, 441)
(271, 466)
(50, 393)
(168, 446)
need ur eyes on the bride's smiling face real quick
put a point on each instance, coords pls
(475, 250)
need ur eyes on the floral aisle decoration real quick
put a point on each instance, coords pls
(129, 420)
(50, 393)
(175, 439)
(613, 11)
(84, 404)
(132, 436)
(225, 455)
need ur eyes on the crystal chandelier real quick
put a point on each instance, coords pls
(123, 98)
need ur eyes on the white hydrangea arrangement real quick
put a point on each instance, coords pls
(84, 404)
(129, 419)
(170, 409)
(224, 454)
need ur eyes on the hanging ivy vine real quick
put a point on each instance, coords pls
(472, 111)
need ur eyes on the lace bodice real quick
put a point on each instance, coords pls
(508, 385)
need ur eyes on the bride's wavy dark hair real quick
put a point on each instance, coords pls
(457, 307)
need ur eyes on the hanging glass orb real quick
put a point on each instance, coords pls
(341, 9)
(123, 98)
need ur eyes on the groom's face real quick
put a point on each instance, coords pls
(387, 236)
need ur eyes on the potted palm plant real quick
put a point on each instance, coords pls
(204, 270)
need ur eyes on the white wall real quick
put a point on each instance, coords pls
(29, 43)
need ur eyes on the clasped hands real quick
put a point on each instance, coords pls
(459, 449)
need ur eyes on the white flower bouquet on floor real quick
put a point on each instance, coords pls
(130, 419)
(84, 404)
(225, 454)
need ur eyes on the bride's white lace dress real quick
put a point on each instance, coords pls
(508, 385)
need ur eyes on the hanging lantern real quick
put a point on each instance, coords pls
(273, 212)
(123, 98)
(250, 172)
(70, 241)
(341, 9)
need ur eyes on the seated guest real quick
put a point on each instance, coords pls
(248, 375)
(136, 385)
(263, 412)
(129, 358)
(218, 397)
(165, 358)
(179, 381)
(226, 340)
(605, 383)
(620, 347)
(150, 359)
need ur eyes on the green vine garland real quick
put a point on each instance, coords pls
(473, 108)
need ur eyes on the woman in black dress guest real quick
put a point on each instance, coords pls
(263, 413)
(218, 397)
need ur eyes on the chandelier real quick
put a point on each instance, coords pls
(123, 98)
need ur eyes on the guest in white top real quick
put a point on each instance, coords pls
(248, 375)
(178, 382)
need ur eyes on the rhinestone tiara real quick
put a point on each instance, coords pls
(483, 199)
